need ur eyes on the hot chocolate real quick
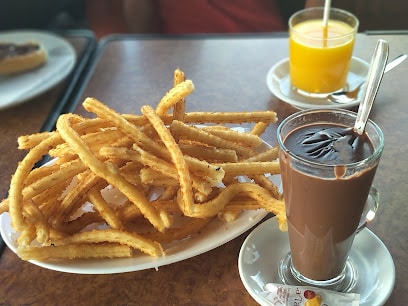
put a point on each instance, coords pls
(329, 144)
(325, 208)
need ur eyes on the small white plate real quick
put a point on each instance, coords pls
(266, 245)
(18, 88)
(278, 82)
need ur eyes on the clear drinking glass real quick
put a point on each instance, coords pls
(319, 57)
(326, 204)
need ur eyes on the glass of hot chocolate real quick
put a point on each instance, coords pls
(327, 173)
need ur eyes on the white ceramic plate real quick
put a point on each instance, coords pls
(18, 88)
(213, 235)
(278, 82)
(266, 245)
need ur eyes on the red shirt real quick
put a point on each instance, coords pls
(219, 16)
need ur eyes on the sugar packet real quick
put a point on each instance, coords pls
(285, 295)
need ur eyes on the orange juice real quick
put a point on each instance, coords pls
(320, 63)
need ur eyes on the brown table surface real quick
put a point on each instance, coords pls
(229, 75)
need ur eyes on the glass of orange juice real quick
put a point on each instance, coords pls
(319, 56)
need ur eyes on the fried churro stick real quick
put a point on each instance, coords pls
(158, 219)
(250, 168)
(174, 95)
(30, 141)
(132, 240)
(104, 209)
(180, 106)
(186, 191)
(204, 152)
(170, 169)
(75, 251)
(259, 128)
(268, 155)
(265, 199)
(66, 172)
(125, 126)
(211, 117)
(245, 139)
(22, 171)
(4, 205)
(181, 130)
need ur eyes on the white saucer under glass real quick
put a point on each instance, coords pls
(278, 82)
(266, 245)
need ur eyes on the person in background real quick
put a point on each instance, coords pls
(205, 16)
(242, 16)
(106, 17)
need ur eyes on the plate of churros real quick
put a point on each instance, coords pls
(128, 192)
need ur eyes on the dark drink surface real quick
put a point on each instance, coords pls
(329, 144)
(324, 203)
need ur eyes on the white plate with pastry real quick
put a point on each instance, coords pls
(32, 62)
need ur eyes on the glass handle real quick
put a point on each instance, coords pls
(370, 209)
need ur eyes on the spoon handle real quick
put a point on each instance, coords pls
(374, 77)
(395, 62)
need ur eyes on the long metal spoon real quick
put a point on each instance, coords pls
(344, 97)
(374, 77)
